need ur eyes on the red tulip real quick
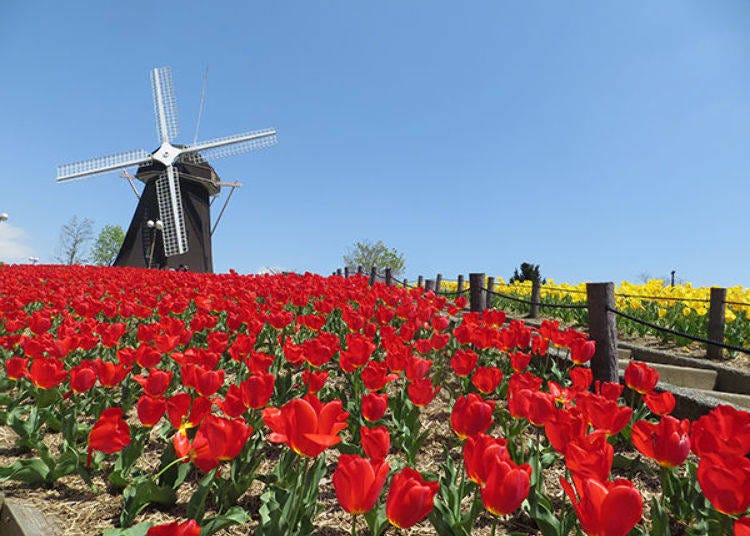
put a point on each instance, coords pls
(417, 368)
(410, 498)
(257, 389)
(315, 380)
(187, 528)
(519, 361)
(184, 412)
(358, 350)
(258, 362)
(156, 383)
(16, 368)
(486, 379)
(319, 351)
(82, 378)
(218, 440)
(604, 414)
(506, 487)
(479, 452)
(581, 378)
(539, 345)
(375, 375)
(590, 457)
(376, 442)
(666, 442)
(207, 382)
(374, 406)
(605, 508)
(463, 362)
(110, 374)
(306, 424)
(582, 351)
(421, 392)
(660, 403)
(609, 390)
(109, 434)
(47, 373)
(531, 404)
(358, 482)
(146, 356)
(724, 430)
(640, 377)
(565, 426)
(150, 409)
(725, 481)
(742, 527)
(471, 415)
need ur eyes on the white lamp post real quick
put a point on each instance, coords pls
(154, 226)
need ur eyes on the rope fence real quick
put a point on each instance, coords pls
(678, 333)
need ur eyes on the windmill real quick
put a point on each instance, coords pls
(178, 183)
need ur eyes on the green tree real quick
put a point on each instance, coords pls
(529, 272)
(368, 254)
(107, 245)
(73, 237)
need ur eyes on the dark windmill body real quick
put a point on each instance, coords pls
(144, 245)
(171, 227)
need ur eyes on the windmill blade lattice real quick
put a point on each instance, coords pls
(229, 146)
(165, 104)
(101, 165)
(170, 212)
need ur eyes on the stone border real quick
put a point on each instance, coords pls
(728, 379)
(20, 519)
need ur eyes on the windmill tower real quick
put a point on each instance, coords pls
(179, 183)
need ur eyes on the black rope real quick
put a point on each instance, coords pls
(540, 304)
(449, 293)
(742, 304)
(663, 298)
(678, 333)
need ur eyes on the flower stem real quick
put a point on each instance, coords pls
(494, 525)
(354, 525)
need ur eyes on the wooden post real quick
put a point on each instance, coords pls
(476, 282)
(487, 294)
(429, 284)
(346, 272)
(360, 270)
(716, 312)
(373, 275)
(438, 282)
(536, 297)
(420, 281)
(460, 283)
(388, 277)
(603, 330)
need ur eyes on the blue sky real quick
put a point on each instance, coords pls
(598, 140)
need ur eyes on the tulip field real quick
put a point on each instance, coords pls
(682, 307)
(298, 404)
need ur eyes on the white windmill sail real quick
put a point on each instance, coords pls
(101, 165)
(165, 104)
(168, 184)
(170, 212)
